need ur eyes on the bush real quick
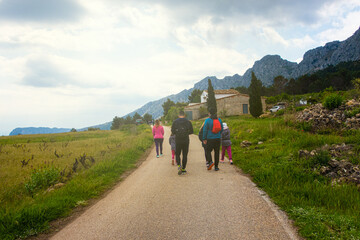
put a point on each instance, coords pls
(333, 101)
(280, 112)
(298, 109)
(42, 178)
(305, 126)
(321, 158)
(352, 113)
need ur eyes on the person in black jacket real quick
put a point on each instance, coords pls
(182, 128)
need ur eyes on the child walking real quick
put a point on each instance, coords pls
(226, 143)
(173, 147)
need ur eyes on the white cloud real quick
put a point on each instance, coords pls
(271, 35)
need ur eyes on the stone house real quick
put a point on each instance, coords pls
(229, 103)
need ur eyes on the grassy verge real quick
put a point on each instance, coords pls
(320, 210)
(23, 214)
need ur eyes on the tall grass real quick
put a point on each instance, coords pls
(320, 210)
(23, 214)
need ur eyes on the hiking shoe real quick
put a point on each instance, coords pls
(157, 156)
(179, 170)
(183, 171)
(231, 162)
(207, 164)
(217, 169)
(161, 154)
(222, 161)
(210, 165)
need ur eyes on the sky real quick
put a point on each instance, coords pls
(78, 63)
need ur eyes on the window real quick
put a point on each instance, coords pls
(245, 109)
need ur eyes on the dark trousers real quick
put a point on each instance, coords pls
(204, 146)
(183, 147)
(158, 143)
(213, 144)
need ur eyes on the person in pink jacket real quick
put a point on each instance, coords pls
(158, 133)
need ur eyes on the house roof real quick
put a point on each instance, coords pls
(245, 95)
(225, 91)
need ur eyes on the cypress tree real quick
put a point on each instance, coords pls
(211, 101)
(255, 96)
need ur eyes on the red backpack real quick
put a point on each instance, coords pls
(216, 126)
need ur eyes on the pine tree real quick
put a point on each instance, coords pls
(255, 96)
(116, 123)
(211, 101)
(195, 96)
(167, 105)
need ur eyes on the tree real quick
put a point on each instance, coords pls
(147, 117)
(73, 130)
(195, 96)
(167, 105)
(173, 113)
(291, 87)
(136, 116)
(128, 120)
(242, 89)
(255, 96)
(279, 84)
(116, 123)
(211, 101)
(181, 105)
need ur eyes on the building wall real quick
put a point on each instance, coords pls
(232, 105)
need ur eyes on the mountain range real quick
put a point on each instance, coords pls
(265, 69)
(269, 67)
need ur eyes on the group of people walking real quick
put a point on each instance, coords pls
(213, 133)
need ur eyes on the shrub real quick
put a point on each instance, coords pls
(223, 113)
(305, 126)
(42, 178)
(298, 109)
(333, 101)
(321, 158)
(352, 113)
(280, 112)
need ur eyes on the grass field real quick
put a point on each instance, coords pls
(43, 177)
(320, 210)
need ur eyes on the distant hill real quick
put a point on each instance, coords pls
(47, 130)
(37, 130)
(265, 69)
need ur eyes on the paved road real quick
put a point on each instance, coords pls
(155, 203)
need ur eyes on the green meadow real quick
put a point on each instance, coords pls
(44, 177)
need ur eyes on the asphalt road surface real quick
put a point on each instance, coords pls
(154, 202)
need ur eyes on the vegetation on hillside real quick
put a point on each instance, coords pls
(339, 78)
(118, 122)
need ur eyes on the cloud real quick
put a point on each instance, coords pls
(44, 73)
(270, 34)
(40, 10)
(275, 12)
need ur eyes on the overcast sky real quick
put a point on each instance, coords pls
(77, 63)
